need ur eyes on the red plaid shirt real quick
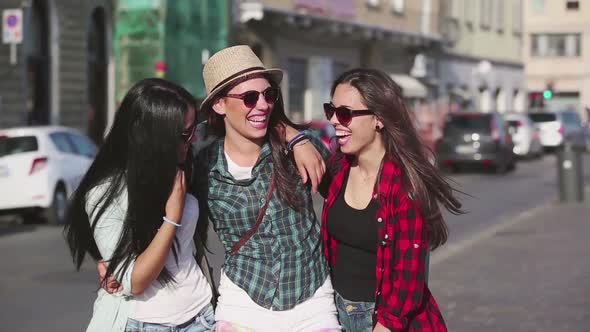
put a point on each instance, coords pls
(403, 301)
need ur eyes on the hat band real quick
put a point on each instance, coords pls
(242, 72)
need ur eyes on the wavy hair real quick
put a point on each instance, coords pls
(402, 143)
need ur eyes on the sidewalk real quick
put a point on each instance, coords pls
(533, 275)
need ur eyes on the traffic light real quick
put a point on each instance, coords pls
(548, 92)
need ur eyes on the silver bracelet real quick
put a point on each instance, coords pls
(168, 220)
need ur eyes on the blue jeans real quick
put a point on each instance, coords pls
(355, 316)
(204, 321)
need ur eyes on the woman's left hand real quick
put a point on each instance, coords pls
(380, 328)
(310, 164)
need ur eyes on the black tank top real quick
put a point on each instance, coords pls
(353, 275)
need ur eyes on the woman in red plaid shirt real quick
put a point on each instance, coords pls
(381, 216)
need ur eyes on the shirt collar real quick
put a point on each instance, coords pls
(220, 162)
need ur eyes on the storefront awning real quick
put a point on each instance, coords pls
(411, 87)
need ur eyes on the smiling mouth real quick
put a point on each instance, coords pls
(258, 118)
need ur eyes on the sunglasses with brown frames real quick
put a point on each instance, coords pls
(343, 114)
(250, 98)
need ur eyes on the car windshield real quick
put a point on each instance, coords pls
(542, 117)
(470, 123)
(16, 145)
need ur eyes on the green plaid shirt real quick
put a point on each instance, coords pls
(282, 264)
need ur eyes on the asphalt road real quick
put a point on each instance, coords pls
(40, 290)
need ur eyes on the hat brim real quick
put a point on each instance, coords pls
(275, 74)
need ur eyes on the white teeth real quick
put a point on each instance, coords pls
(342, 133)
(257, 119)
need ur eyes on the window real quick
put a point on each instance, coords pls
(517, 16)
(61, 142)
(499, 14)
(83, 145)
(469, 9)
(16, 145)
(556, 45)
(297, 71)
(397, 6)
(572, 5)
(485, 13)
(453, 9)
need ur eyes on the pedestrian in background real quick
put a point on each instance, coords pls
(132, 211)
(274, 276)
(381, 216)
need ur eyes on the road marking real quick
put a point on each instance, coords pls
(451, 250)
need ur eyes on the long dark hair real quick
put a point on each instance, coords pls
(285, 170)
(403, 145)
(139, 154)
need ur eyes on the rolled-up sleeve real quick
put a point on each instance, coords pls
(108, 230)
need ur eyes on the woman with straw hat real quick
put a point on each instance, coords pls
(274, 276)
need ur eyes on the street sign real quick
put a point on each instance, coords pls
(12, 26)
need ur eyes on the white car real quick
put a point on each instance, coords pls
(557, 127)
(39, 168)
(525, 135)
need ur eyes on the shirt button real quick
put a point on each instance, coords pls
(379, 293)
(262, 200)
(386, 236)
(379, 219)
(375, 196)
(383, 243)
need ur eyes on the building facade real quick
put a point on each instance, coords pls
(64, 72)
(557, 54)
(481, 67)
(316, 40)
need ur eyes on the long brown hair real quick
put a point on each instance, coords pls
(403, 145)
(285, 171)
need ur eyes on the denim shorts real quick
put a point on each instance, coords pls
(204, 321)
(355, 316)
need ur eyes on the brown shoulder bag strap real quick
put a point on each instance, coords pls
(254, 228)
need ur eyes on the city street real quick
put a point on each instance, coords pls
(39, 289)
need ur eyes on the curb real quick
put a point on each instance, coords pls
(453, 249)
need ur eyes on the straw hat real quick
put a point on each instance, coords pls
(230, 64)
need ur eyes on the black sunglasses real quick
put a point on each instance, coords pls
(250, 98)
(343, 114)
(188, 134)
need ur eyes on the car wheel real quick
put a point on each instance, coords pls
(56, 213)
(501, 167)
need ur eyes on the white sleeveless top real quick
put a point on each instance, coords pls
(183, 299)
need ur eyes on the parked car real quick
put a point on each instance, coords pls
(476, 138)
(525, 135)
(39, 168)
(555, 127)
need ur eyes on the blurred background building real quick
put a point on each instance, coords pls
(557, 54)
(64, 70)
(78, 58)
(481, 66)
(316, 40)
